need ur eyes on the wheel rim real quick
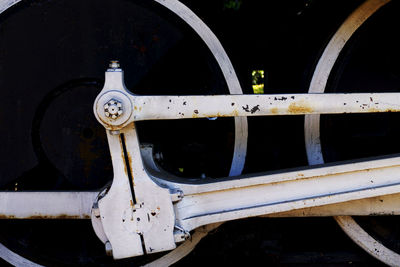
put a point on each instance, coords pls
(240, 143)
(312, 124)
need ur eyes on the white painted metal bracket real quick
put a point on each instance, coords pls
(137, 214)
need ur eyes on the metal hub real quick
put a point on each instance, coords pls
(113, 109)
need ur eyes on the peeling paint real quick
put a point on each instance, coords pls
(255, 109)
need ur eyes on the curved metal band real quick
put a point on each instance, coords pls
(212, 42)
(312, 123)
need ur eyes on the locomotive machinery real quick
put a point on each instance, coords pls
(147, 210)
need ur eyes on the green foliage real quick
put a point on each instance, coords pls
(257, 81)
(232, 4)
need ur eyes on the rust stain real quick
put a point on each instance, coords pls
(130, 161)
(274, 110)
(374, 110)
(130, 164)
(123, 156)
(2, 216)
(41, 217)
(132, 175)
(298, 108)
(392, 110)
(61, 216)
(234, 113)
(112, 127)
(131, 202)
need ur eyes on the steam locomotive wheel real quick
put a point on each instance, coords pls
(58, 143)
(352, 61)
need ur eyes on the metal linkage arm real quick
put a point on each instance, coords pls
(184, 107)
(146, 213)
(116, 107)
(136, 214)
(162, 205)
(274, 193)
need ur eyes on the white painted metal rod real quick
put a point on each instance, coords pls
(210, 207)
(46, 205)
(197, 220)
(382, 205)
(183, 107)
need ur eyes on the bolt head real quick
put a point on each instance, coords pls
(109, 251)
(113, 109)
(114, 64)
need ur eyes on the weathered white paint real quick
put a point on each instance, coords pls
(312, 189)
(117, 205)
(137, 108)
(132, 222)
(46, 205)
(222, 200)
(324, 68)
(382, 205)
(312, 122)
(184, 249)
(367, 242)
(231, 199)
(278, 177)
(241, 132)
(188, 107)
(15, 259)
(377, 190)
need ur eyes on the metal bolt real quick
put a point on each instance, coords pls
(114, 64)
(108, 249)
(115, 132)
(96, 210)
(113, 109)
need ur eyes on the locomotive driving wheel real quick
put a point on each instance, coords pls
(350, 61)
(57, 144)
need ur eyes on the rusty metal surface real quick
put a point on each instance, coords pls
(46, 205)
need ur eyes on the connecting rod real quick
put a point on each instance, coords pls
(138, 108)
